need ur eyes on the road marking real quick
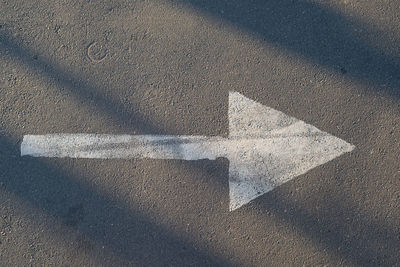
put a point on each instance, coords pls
(265, 148)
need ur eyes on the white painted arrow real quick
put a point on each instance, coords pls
(265, 148)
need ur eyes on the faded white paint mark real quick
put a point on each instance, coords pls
(286, 148)
(265, 148)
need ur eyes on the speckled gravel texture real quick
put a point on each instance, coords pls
(166, 67)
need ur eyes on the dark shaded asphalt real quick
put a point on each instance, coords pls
(166, 67)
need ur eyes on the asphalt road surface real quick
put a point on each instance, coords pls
(166, 67)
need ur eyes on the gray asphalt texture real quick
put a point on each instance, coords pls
(166, 67)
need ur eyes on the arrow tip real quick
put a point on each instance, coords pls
(269, 148)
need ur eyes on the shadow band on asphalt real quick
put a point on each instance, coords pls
(320, 35)
(311, 31)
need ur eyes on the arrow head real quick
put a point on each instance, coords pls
(269, 148)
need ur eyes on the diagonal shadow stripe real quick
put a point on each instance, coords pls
(78, 87)
(320, 35)
(155, 240)
(342, 230)
(136, 239)
(89, 93)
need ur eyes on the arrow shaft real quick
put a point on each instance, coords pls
(265, 148)
(123, 146)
